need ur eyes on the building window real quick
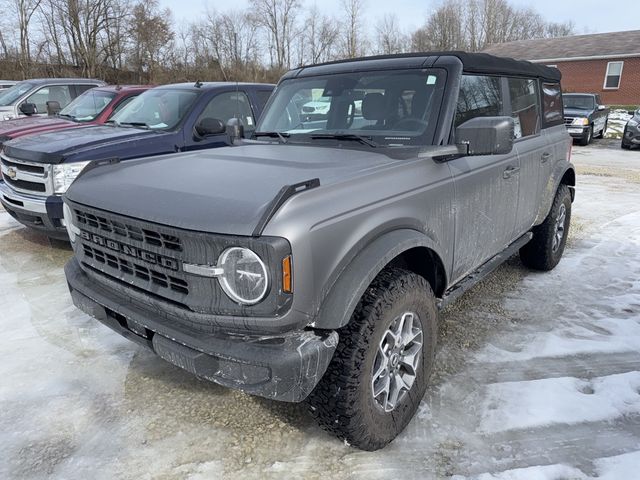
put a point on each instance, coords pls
(614, 73)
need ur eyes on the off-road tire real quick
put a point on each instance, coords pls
(342, 402)
(586, 140)
(625, 145)
(538, 253)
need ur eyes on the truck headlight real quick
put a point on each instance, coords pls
(72, 230)
(244, 278)
(580, 121)
(65, 174)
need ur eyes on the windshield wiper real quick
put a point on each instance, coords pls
(346, 136)
(136, 124)
(66, 115)
(115, 123)
(280, 136)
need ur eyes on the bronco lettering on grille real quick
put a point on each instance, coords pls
(130, 251)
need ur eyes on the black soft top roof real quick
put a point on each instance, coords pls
(472, 63)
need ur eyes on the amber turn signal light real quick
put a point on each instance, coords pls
(287, 275)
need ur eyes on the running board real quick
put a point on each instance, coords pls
(477, 275)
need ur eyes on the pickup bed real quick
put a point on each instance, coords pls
(38, 169)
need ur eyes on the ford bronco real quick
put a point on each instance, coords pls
(310, 262)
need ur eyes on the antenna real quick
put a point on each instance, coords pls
(198, 84)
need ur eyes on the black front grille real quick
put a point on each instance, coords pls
(144, 235)
(148, 275)
(568, 120)
(24, 185)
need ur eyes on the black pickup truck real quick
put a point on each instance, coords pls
(585, 116)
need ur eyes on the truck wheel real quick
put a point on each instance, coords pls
(545, 249)
(586, 139)
(625, 145)
(380, 370)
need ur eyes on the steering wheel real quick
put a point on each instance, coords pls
(410, 124)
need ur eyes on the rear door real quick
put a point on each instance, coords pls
(486, 186)
(530, 145)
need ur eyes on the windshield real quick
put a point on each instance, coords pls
(581, 102)
(87, 106)
(156, 109)
(390, 108)
(10, 95)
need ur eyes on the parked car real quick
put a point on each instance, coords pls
(30, 97)
(4, 84)
(631, 134)
(38, 169)
(310, 263)
(585, 116)
(93, 107)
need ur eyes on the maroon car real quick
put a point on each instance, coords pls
(94, 107)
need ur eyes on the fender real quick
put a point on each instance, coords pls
(342, 299)
(551, 188)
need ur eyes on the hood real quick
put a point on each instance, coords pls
(577, 112)
(54, 147)
(29, 125)
(225, 190)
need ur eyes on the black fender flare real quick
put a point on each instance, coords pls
(343, 297)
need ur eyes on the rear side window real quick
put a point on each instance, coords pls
(552, 104)
(228, 105)
(525, 108)
(263, 96)
(479, 96)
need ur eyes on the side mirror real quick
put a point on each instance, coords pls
(53, 107)
(235, 129)
(486, 135)
(29, 108)
(601, 107)
(210, 126)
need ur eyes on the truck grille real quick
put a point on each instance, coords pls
(568, 120)
(26, 177)
(139, 271)
(124, 230)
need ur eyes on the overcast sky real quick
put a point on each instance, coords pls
(589, 16)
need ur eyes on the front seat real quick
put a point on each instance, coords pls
(374, 107)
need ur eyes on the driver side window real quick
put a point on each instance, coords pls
(228, 105)
(57, 93)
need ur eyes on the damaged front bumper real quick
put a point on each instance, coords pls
(284, 367)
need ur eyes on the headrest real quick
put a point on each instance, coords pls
(373, 106)
(419, 103)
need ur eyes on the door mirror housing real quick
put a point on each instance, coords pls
(486, 135)
(235, 128)
(53, 107)
(28, 108)
(601, 107)
(209, 126)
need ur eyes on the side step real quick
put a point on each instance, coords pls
(477, 275)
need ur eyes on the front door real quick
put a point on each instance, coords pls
(486, 186)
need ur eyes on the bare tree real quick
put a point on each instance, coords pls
(319, 37)
(151, 35)
(389, 38)
(24, 10)
(278, 18)
(353, 37)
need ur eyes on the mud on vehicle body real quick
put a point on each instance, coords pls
(309, 263)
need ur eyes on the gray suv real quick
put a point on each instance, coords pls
(310, 262)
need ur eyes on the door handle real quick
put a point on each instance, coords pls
(545, 156)
(510, 171)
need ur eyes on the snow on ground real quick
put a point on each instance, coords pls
(617, 121)
(537, 375)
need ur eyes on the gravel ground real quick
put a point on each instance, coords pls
(78, 401)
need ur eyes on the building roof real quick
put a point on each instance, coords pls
(471, 63)
(577, 47)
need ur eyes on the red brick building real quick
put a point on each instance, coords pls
(603, 63)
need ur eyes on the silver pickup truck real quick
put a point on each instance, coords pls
(310, 262)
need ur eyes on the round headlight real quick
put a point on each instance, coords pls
(245, 278)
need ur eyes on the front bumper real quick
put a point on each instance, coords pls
(37, 212)
(577, 131)
(284, 367)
